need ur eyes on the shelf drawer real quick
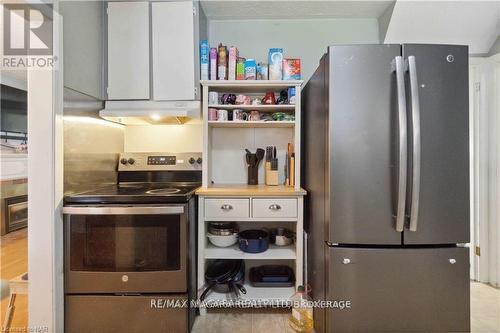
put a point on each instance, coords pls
(274, 208)
(224, 208)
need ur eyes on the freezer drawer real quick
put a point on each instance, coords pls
(399, 290)
(125, 314)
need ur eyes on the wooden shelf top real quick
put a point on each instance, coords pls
(249, 190)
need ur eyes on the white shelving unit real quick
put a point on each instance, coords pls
(253, 88)
(224, 183)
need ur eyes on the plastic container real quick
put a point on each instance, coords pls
(301, 319)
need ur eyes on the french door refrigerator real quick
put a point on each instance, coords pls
(386, 165)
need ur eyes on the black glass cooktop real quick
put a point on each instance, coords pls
(135, 193)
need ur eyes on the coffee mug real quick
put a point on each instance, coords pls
(239, 115)
(243, 100)
(222, 115)
(212, 114)
(254, 116)
(213, 98)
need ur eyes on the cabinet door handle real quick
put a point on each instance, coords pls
(226, 207)
(275, 207)
(346, 261)
(452, 261)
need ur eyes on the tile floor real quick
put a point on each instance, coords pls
(485, 308)
(485, 316)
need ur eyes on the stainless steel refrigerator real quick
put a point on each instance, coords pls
(386, 167)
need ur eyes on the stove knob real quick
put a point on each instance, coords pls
(131, 161)
(123, 161)
(199, 160)
(191, 160)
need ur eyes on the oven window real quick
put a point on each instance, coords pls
(125, 243)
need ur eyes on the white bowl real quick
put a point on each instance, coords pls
(223, 241)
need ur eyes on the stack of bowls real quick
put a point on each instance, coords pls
(222, 234)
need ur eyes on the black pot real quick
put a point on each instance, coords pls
(253, 241)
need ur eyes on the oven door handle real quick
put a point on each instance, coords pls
(125, 210)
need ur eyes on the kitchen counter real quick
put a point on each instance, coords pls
(249, 190)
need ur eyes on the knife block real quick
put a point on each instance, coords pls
(253, 175)
(272, 177)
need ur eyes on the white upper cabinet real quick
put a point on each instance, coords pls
(128, 50)
(173, 50)
(83, 33)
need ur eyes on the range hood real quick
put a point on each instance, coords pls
(150, 112)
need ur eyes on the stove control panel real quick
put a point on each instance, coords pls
(159, 161)
(162, 160)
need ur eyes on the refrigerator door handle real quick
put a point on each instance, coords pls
(398, 66)
(415, 108)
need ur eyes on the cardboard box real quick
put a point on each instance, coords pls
(291, 69)
(233, 55)
(204, 59)
(213, 63)
(275, 63)
(240, 68)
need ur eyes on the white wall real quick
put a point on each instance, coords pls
(495, 48)
(45, 192)
(485, 102)
(305, 39)
(164, 138)
(473, 23)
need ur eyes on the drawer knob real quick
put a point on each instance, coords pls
(275, 207)
(226, 207)
(452, 261)
(346, 261)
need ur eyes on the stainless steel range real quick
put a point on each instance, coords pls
(130, 247)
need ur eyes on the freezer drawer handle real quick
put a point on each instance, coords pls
(415, 114)
(346, 261)
(452, 261)
(397, 65)
(226, 207)
(275, 207)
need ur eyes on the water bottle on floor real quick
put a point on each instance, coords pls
(301, 319)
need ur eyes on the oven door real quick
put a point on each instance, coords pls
(125, 249)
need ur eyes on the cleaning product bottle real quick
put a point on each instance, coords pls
(301, 319)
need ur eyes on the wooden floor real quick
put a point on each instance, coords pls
(13, 262)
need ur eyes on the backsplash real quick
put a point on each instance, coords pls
(164, 138)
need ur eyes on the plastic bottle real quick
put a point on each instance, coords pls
(301, 319)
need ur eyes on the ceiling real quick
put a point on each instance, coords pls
(279, 9)
(473, 23)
